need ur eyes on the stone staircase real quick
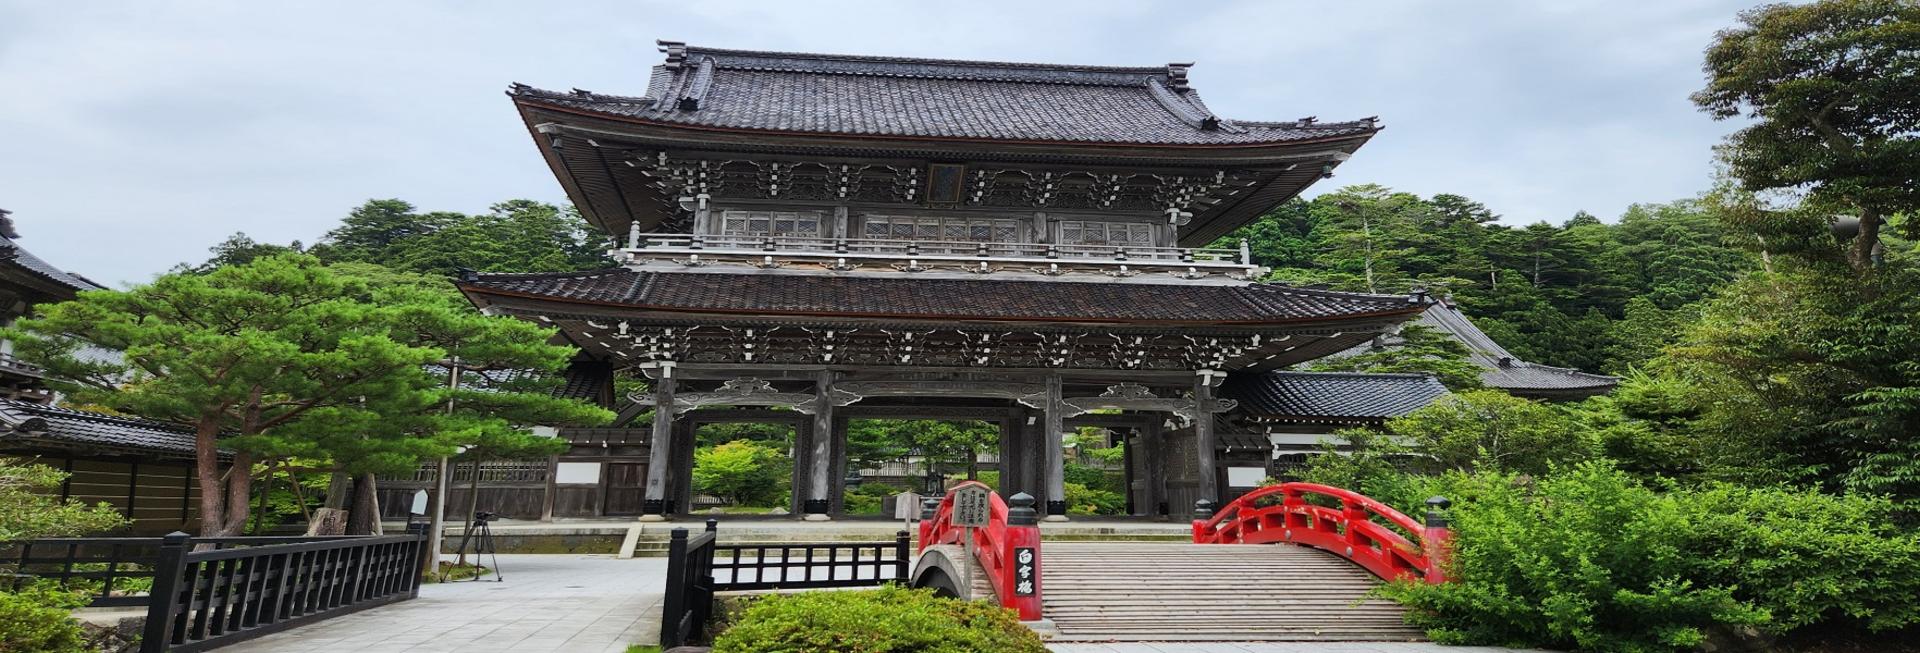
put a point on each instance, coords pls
(1215, 592)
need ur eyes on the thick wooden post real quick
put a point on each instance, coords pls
(1204, 443)
(820, 471)
(1436, 539)
(1009, 451)
(1156, 468)
(1022, 558)
(929, 507)
(157, 634)
(1055, 445)
(673, 607)
(660, 457)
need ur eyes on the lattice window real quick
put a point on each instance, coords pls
(949, 228)
(770, 223)
(1087, 232)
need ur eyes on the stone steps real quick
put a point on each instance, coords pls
(1215, 592)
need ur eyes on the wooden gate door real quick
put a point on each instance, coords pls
(626, 488)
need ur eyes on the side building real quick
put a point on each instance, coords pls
(140, 467)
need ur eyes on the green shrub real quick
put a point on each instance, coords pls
(890, 619)
(40, 619)
(869, 497)
(1082, 500)
(742, 472)
(1591, 559)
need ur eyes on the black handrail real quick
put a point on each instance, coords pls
(205, 599)
(689, 600)
(693, 560)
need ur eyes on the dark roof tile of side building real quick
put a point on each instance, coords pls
(963, 299)
(12, 253)
(66, 427)
(848, 95)
(1500, 368)
(1332, 396)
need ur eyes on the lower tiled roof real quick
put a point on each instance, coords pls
(966, 299)
(30, 422)
(1334, 396)
(1499, 368)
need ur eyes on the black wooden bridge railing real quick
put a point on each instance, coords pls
(698, 565)
(229, 590)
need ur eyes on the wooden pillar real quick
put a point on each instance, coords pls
(1204, 443)
(546, 501)
(680, 489)
(660, 457)
(1009, 452)
(820, 469)
(1128, 454)
(837, 467)
(1033, 455)
(1056, 471)
(1156, 451)
(803, 435)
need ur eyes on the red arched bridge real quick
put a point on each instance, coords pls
(1226, 585)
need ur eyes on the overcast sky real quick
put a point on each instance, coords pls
(133, 135)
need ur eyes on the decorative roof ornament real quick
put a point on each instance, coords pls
(1177, 76)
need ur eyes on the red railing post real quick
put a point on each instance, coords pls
(1020, 558)
(929, 508)
(1352, 513)
(1202, 513)
(1436, 538)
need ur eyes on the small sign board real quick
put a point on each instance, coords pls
(906, 505)
(1024, 582)
(419, 506)
(972, 505)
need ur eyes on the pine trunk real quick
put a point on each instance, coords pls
(206, 459)
(364, 517)
(1860, 255)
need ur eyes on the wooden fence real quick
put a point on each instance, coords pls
(229, 589)
(698, 566)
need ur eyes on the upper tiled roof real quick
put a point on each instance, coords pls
(11, 253)
(1499, 367)
(964, 299)
(1336, 396)
(65, 426)
(933, 98)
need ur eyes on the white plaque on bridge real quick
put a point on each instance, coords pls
(972, 505)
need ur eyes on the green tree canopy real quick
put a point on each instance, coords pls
(1833, 92)
(742, 472)
(285, 357)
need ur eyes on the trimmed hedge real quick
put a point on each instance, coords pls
(887, 620)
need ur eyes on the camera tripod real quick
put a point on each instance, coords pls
(480, 534)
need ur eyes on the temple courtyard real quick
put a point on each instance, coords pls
(600, 603)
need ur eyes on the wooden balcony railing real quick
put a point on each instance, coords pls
(931, 255)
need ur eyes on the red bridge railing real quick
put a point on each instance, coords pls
(1281, 513)
(1010, 533)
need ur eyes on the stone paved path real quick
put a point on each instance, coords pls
(585, 603)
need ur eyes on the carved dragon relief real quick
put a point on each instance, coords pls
(1133, 396)
(748, 391)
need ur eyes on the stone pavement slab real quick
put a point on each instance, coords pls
(587, 603)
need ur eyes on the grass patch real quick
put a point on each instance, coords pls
(453, 572)
(643, 648)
